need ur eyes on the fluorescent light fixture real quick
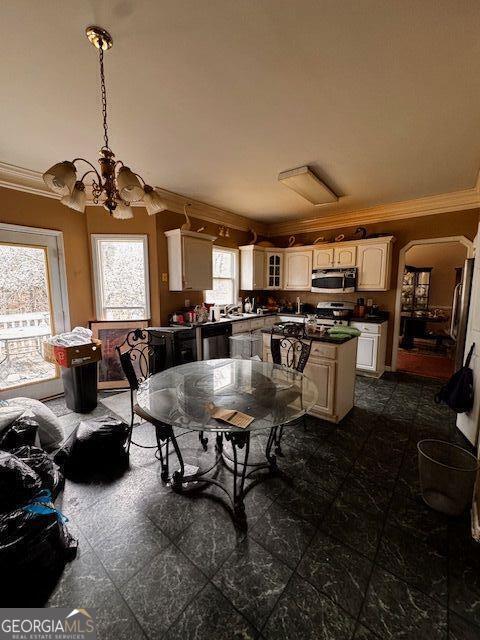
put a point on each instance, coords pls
(306, 184)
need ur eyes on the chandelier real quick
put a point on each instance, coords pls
(115, 186)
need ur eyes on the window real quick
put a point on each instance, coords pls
(225, 277)
(120, 265)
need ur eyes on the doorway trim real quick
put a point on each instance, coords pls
(56, 252)
(61, 261)
(401, 268)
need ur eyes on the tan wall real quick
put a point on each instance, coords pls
(444, 258)
(24, 209)
(21, 208)
(170, 300)
(46, 213)
(461, 223)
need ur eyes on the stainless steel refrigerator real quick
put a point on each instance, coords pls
(460, 307)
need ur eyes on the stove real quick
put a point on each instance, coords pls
(326, 317)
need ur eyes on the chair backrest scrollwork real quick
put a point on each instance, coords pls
(292, 343)
(141, 355)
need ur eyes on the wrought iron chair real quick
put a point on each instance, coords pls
(140, 357)
(291, 348)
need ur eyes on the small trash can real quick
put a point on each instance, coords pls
(246, 345)
(447, 476)
(80, 387)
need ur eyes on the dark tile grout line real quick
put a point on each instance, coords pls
(317, 529)
(385, 517)
(334, 496)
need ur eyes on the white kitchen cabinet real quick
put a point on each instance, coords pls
(297, 271)
(344, 257)
(189, 260)
(372, 347)
(241, 326)
(373, 264)
(332, 369)
(323, 373)
(273, 269)
(323, 258)
(252, 268)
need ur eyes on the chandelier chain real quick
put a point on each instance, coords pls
(104, 100)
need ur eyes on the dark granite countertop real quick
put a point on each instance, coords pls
(325, 338)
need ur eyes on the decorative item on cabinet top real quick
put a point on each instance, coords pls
(189, 260)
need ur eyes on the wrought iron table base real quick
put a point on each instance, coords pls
(241, 470)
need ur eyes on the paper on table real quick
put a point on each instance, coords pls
(230, 416)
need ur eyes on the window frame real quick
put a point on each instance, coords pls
(96, 239)
(236, 280)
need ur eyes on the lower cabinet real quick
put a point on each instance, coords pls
(372, 347)
(332, 369)
(323, 372)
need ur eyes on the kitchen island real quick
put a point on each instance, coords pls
(331, 366)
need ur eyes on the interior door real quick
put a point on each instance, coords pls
(33, 305)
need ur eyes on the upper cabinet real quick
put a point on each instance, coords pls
(323, 258)
(189, 260)
(297, 270)
(373, 264)
(290, 269)
(345, 256)
(252, 267)
(273, 269)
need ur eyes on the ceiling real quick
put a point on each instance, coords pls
(212, 99)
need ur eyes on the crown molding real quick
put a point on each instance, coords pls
(28, 181)
(426, 206)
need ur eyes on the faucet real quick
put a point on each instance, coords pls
(230, 307)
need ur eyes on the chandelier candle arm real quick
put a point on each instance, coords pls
(118, 185)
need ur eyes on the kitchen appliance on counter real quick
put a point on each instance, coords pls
(334, 313)
(180, 342)
(334, 280)
(215, 340)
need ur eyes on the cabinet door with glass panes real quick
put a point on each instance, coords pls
(273, 270)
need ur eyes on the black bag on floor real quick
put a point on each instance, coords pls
(458, 392)
(97, 444)
(20, 433)
(19, 483)
(34, 546)
(45, 467)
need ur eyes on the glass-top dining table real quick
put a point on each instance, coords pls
(184, 398)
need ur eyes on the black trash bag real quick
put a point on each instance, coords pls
(458, 393)
(39, 461)
(22, 432)
(96, 445)
(35, 544)
(18, 482)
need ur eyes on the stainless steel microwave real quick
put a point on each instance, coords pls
(334, 280)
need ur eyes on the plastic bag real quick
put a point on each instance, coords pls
(23, 431)
(96, 445)
(19, 483)
(34, 546)
(44, 466)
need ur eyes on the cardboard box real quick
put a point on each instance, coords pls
(73, 356)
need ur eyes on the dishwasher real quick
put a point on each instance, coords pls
(215, 340)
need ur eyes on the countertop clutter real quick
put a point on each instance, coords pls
(317, 338)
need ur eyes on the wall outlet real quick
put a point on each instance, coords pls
(164, 277)
(187, 302)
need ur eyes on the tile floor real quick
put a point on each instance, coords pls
(347, 550)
